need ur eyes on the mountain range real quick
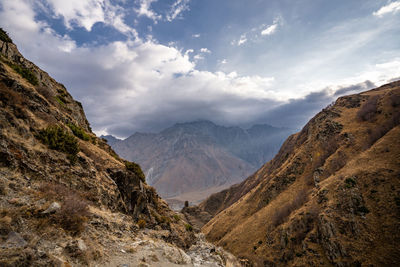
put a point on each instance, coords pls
(189, 161)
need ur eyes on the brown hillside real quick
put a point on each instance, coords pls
(66, 198)
(331, 196)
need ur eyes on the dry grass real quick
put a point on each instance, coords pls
(368, 111)
(74, 212)
(282, 213)
(142, 223)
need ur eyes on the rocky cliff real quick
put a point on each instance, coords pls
(66, 198)
(331, 196)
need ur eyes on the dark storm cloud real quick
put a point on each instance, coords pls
(296, 113)
(355, 88)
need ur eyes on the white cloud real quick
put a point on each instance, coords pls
(139, 83)
(145, 10)
(269, 30)
(82, 13)
(87, 13)
(143, 85)
(198, 57)
(242, 40)
(205, 50)
(392, 7)
(177, 8)
(253, 35)
(197, 35)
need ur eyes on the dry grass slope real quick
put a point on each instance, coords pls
(329, 197)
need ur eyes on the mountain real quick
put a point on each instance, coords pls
(111, 140)
(331, 196)
(66, 198)
(189, 161)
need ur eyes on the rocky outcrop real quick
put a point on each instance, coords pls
(329, 195)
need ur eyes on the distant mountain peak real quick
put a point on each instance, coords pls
(200, 155)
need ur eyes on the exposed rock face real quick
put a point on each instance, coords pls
(63, 209)
(189, 161)
(329, 197)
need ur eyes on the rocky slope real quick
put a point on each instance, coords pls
(66, 198)
(189, 161)
(331, 196)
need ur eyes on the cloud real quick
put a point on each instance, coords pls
(87, 13)
(81, 13)
(392, 7)
(141, 85)
(269, 30)
(198, 57)
(197, 35)
(205, 50)
(253, 35)
(177, 8)
(146, 11)
(295, 113)
(342, 90)
(242, 40)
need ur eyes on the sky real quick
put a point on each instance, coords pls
(143, 65)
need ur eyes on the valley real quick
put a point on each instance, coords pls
(190, 161)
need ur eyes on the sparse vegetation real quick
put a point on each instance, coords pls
(79, 132)
(350, 182)
(73, 213)
(141, 223)
(380, 130)
(363, 209)
(135, 168)
(25, 73)
(177, 217)
(59, 139)
(61, 98)
(4, 36)
(188, 227)
(395, 100)
(368, 111)
(283, 212)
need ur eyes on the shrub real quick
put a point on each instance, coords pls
(27, 74)
(73, 214)
(135, 168)
(368, 111)
(395, 100)
(60, 100)
(350, 182)
(282, 213)
(188, 227)
(79, 132)
(4, 36)
(380, 130)
(177, 217)
(58, 139)
(141, 223)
